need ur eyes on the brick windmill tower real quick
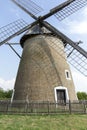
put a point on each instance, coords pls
(44, 73)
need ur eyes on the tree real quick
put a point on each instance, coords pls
(8, 94)
(5, 94)
(2, 94)
(82, 95)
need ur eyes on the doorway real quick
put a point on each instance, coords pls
(61, 95)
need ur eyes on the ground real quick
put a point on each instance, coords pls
(44, 122)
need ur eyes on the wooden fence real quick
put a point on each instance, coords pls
(23, 107)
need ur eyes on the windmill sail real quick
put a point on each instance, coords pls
(32, 8)
(76, 59)
(70, 9)
(10, 29)
(13, 29)
(28, 6)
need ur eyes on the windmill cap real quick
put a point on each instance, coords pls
(35, 30)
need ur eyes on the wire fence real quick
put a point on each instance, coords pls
(23, 107)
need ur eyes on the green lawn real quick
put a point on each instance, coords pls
(51, 122)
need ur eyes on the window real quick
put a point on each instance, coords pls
(67, 74)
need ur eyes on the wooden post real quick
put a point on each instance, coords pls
(84, 108)
(70, 110)
(48, 106)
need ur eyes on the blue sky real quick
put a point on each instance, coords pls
(75, 26)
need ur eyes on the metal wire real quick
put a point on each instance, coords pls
(70, 9)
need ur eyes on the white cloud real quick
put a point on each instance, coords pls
(6, 84)
(84, 12)
(80, 81)
(77, 27)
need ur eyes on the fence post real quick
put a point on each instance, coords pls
(70, 110)
(7, 104)
(32, 106)
(26, 107)
(84, 108)
(48, 106)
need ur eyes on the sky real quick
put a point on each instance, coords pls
(74, 26)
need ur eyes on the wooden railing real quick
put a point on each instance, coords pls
(23, 107)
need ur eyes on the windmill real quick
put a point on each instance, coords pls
(44, 74)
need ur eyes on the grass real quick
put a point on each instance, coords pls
(50, 122)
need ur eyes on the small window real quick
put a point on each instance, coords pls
(67, 73)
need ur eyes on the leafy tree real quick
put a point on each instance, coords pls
(5, 94)
(82, 95)
(8, 94)
(2, 94)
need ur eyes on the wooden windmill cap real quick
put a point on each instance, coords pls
(35, 30)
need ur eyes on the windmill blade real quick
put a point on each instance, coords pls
(13, 29)
(10, 29)
(70, 9)
(65, 9)
(29, 7)
(57, 9)
(78, 57)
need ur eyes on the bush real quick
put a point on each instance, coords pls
(82, 95)
(5, 94)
